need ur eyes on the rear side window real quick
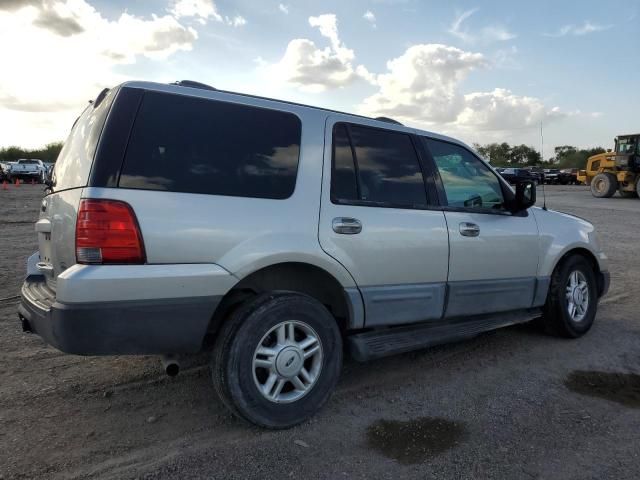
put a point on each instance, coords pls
(385, 169)
(192, 145)
(76, 157)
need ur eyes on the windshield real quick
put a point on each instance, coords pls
(627, 146)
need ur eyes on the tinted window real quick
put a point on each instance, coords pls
(467, 181)
(343, 179)
(191, 145)
(387, 167)
(76, 157)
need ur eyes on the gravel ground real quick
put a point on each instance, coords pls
(508, 404)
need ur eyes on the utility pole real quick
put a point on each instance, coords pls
(541, 143)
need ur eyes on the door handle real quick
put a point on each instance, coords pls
(346, 225)
(469, 229)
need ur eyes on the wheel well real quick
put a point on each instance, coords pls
(587, 255)
(296, 277)
(583, 252)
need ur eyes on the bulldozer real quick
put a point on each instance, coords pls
(617, 170)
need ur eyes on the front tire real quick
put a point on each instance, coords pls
(572, 300)
(604, 185)
(277, 359)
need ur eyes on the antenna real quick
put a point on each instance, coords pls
(544, 195)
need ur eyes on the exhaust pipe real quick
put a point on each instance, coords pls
(170, 365)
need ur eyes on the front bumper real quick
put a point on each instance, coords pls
(157, 326)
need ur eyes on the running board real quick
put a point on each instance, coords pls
(394, 340)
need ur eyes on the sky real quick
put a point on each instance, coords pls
(489, 71)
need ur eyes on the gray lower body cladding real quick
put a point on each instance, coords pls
(130, 327)
(391, 341)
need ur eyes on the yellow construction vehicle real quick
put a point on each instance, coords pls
(614, 171)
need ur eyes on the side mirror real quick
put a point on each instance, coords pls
(525, 195)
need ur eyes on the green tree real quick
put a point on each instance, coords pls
(48, 154)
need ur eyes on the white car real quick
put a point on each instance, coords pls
(28, 169)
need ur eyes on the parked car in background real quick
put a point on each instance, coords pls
(515, 175)
(551, 176)
(28, 169)
(3, 172)
(569, 176)
(538, 172)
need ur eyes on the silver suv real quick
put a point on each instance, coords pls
(183, 218)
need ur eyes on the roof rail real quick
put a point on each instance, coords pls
(193, 84)
(388, 120)
(100, 97)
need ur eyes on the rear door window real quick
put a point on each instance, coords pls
(194, 145)
(375, 166)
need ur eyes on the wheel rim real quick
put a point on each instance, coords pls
(287, 362)
(599, 185)
(577, 294)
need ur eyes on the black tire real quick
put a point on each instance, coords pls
(638, 186)
(604, 185)
(556, 318)
(232, 361)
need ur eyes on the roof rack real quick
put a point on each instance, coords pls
(193, 84)
(388, 120)
(204, 86)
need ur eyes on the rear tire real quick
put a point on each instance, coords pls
(572, 300)
(261, 368)
(604, 185)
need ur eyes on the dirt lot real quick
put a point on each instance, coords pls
(508, 404)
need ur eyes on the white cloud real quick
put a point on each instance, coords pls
(502, 110)
(237, 21)
(283, 8)
(56, 70)
(578, 30)
(487, 34)
(421, 84)
(370, 17)
(203, 9)
(422, 87)
(317, 69)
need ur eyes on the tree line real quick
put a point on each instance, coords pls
(48, 154)
(504, 155)
(499, 154)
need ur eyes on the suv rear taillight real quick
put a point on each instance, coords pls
(107, 232)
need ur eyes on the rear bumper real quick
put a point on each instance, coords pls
(157, 326)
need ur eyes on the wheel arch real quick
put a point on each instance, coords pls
(344, 303)
(590, 257)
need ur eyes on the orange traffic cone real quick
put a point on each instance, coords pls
(4, 185)
(33, 182)
(17, 182)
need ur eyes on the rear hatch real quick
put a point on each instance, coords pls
(59, 209)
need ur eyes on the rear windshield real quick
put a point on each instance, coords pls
(76, 157)
(195, 145)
